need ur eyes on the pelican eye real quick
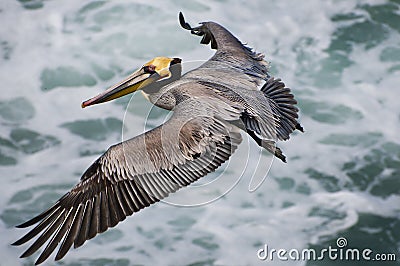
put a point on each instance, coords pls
(150, 69)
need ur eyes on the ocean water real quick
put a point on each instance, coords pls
(342, 61)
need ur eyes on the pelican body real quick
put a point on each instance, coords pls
(230, 93)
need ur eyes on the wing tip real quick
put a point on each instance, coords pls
(279, 154)
(299, 127)
(41, 259)
(59, 255)
(27, 253)
(183, 23)
(25, 224)
(19, 242)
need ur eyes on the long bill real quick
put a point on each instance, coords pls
(132, 83)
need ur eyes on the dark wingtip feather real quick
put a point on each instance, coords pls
(40, 217)
(21, 225)
(33, 221)
(299, 127)
(28, 252)
(60, 233)
(71, 233)
(19, 242)
(40, 260)
(183, 23)
(16, 243)
(278, 153)
(275, 91)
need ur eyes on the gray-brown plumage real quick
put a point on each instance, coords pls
(210, 104)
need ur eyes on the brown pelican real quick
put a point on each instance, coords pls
(210, 105)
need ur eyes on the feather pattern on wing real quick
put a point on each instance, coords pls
(131, 176)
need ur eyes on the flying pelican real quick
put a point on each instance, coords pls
(210, 105)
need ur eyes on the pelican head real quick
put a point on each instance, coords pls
(151, 77)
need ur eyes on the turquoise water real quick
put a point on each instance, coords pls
(341, 59)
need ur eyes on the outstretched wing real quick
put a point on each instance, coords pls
(230, 50)
(132, 175)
